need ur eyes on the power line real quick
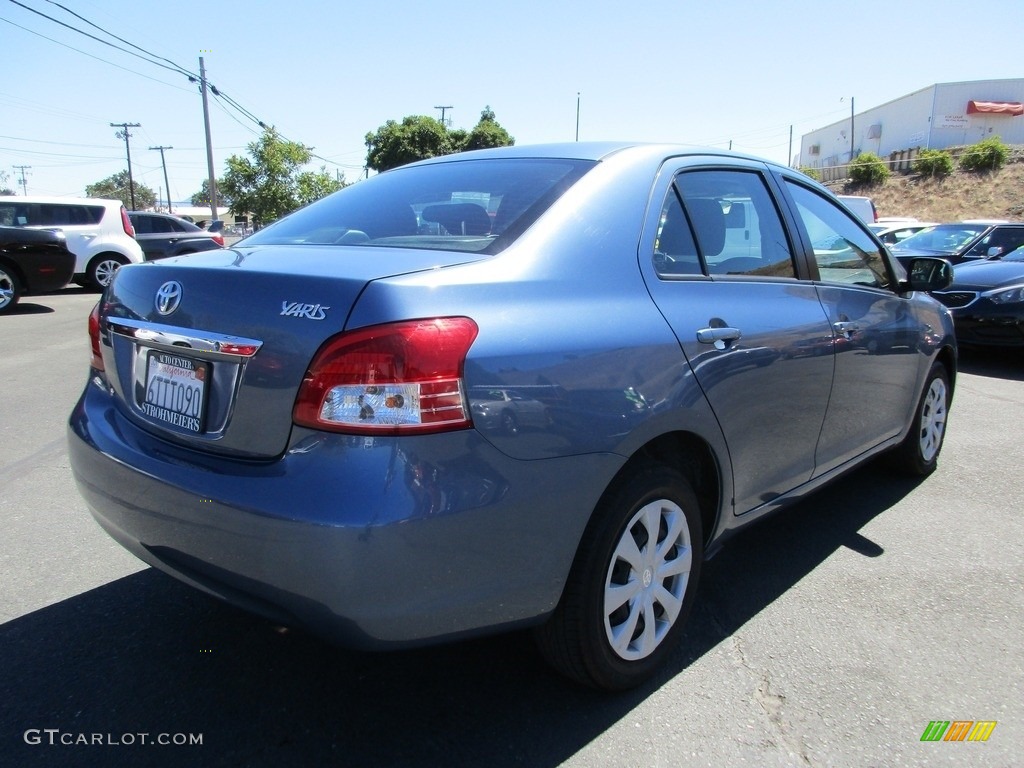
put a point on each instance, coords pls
(91, 56)
(155, 59)
(175, 69)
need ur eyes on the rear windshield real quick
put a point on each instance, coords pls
(944, 238)
(467, 205)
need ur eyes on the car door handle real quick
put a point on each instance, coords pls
(846, 328)
(715, 335)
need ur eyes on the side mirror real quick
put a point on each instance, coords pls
(925, 273)
(994, 252)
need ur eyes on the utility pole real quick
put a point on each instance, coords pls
(123, 134)
(851, 129)
(209, 144)
(167, 184)
(443, 109)
(577, 115)
(23, 182)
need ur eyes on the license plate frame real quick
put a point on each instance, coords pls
(175, 393)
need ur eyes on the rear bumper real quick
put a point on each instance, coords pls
(372, 543)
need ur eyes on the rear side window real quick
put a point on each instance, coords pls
(843, 251)
(722, 222)
(19, 214)
(469, 205)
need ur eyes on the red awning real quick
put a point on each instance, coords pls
(995, 107)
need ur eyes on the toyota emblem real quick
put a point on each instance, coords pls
(168, 297)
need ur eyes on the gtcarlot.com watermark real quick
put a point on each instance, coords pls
(55, 737)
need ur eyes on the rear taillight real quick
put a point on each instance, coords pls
(219, 240)
(126, 222)
(94, 338)
(390, 379)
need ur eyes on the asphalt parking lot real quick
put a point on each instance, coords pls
(832, 634)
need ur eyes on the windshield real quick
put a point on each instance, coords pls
(944, 238)
(1015, 255)
(463, 205)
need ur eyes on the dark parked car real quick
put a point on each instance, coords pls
(162, 236)
(32, 261)
(987, 299)
(305, 444)
(964, 241)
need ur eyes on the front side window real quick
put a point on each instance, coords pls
(843, 251)
(722, 222)
(998, 242)
(469, 205)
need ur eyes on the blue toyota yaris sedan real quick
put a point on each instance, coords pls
(306, 425)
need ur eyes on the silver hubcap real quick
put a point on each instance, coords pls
(6, 289)
(933, 419)
(105, 271)
(647, 579)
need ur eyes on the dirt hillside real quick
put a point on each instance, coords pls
(993, 195)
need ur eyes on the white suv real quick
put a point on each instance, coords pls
(98, 231)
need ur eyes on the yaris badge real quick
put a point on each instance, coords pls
(168, 297)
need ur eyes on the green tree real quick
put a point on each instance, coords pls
(202, 197)
(487, 133)
(270, 183)
(987, 155)
(116, 187)
(934, 162)
(868, 168)
(4, 189)
(419, 137)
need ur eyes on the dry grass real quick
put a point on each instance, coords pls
(994, 195)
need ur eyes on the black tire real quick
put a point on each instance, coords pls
(10, 290)
(589, 645)
(102, 268)
(918, 454)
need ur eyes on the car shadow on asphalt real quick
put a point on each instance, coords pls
(30, 308)
(147, 655)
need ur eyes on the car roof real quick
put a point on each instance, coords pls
(594, 150)
(50, 199)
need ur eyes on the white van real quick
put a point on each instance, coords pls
(862, 207)
(98, 231)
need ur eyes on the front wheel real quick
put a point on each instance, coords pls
(918, 454)
(10, 290)
(631, 585)
(102, 268)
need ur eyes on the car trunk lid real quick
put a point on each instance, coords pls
(210, 350)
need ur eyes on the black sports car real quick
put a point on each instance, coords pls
(987, 300)
(32, 261)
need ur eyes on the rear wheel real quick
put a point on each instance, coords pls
(918, 454)
(10, 290)
(102, 268)
(632, 583)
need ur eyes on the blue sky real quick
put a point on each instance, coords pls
(327, 73)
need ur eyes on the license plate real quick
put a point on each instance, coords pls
(175, 390)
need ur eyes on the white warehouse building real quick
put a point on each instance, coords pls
(937, 117)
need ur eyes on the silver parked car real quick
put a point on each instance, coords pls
(302, 425)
